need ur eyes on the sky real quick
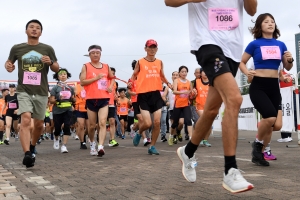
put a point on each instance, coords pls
(121, 28)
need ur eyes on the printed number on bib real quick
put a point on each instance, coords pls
(82, 93)
(223, 19)
(102, 84)
(270, 52)
(12, 105)
(32, 78)
(123, 109)
(65, 94)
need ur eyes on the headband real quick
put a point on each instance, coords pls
(60, 72)
(94, 50)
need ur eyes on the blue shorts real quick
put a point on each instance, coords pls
(81, 114)
(96, 104)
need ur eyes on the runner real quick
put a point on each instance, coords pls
(212, 22)
(264, 90)
(123, 104)
(182, 89)
(34, 59)
(81, 114)
(149, 74)
(202, 86)
(94, 77)
(62, 96)
(164, 110)
(112, 110)
(5, 92)
(11, 117)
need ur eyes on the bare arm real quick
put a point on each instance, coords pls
(131, 93)
(177, 3)
(164, 96)
(250, 6)
(175, 91)
(136, 71)
(9, 66)
(52, 100)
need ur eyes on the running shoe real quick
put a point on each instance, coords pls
(235, 182)
(101, 152)
(136, 139)
(179, 137)
(113, 143)
(171, 140)
(188, 165)
(146, 142)
(6, 142)
(269, 156)
(257, 155)
(202, 143)
(39, 141)
(132, 132)
(152, 150)
(163, 138)
(46, 136)
(56, 144)
(93, 151)
(123, 137)
(290, 139)
(63, 149)
(76, 137)
(175, 140)
(28, 159)
(1, 142)
(206, 143)
(83, 145)
(283, 140)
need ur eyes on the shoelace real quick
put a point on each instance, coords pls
(192, 164)
(237, 174)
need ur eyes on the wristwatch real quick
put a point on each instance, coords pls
(51, 63)
(291, 61)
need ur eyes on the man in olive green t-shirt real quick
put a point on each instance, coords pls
(34, 59)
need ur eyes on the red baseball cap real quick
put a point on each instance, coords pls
(150, 42)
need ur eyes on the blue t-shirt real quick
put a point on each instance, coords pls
(254, 49)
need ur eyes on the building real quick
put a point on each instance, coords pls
(297, 43)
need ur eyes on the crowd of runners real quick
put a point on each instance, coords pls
(143, 109)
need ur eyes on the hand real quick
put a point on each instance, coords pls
(170, 85)
(194, 92)
(251, 73)
(99, 76)
(288, 56)
(16, 111)
(109, 89)
(286, 78)
(46, 60)
(130, 83)
(9, 66)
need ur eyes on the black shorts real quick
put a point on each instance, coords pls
(96, 104)
(265, 96)
(47, 120)
(2, 118)
(172, 115)
(136, 109)
(214, 63)
(122, 117)
(81, 114)
(73, 119)
(150, 101)
(111, 112)
(10, 113)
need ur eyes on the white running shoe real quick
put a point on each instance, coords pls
(235, 182)
(56, 144)
(290, 139)
(63, 149)
(93, 151)
(188, 165)
(283, 140)
(76, 137)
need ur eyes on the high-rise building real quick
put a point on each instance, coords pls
(297, 43)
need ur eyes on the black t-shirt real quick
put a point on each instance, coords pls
(12, 102)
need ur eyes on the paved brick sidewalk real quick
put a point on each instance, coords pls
(128, 172)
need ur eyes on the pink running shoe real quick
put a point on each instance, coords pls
(269, 156)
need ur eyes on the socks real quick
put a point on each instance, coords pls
(100, 146)
(190, 149)
(268, 148)
(256, 140)
(230, 162)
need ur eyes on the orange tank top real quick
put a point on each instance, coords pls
(182, 100)
(122, 107)
(202, 92)
(133, 89)
(80, 98)
(112, 94)
(97, 89)
(148, 79)
(2, 104)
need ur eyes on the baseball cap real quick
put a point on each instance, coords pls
(150, 42)
(12, 85)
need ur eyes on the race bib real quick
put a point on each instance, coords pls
(65, 94)
(82, 93)
(102, 84)
(123, 109)
(32, 78)
(12, 105)
(223, 19)
(184, 95)
(270, 52)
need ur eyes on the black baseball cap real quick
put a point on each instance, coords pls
(11, 85)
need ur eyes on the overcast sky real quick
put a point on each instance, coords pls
(121, 28)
